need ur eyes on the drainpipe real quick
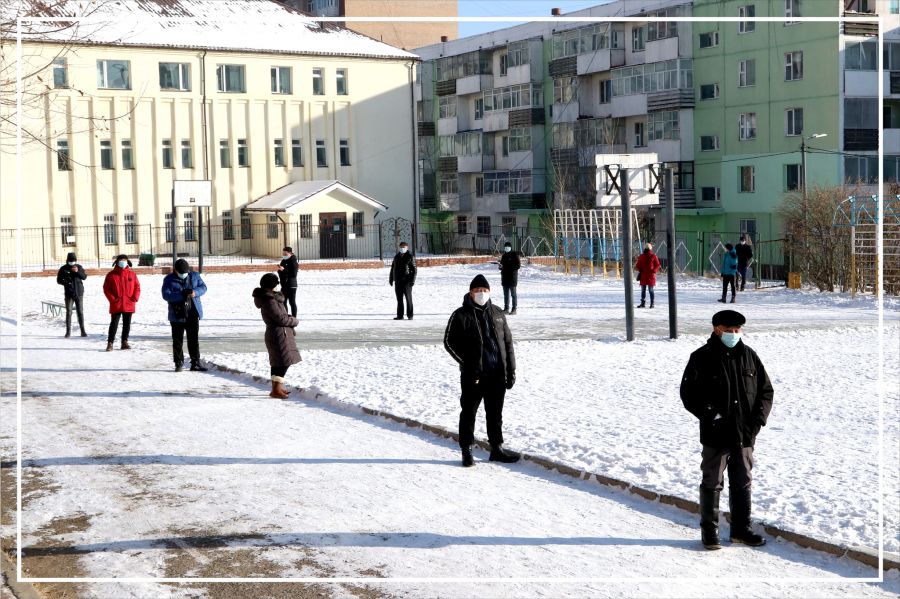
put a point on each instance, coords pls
(284, 229)
(205, 147)
(410, 66)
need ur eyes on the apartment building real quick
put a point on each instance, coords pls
(510, 121)
(245, 94)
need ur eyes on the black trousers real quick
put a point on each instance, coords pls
(192, 327)
(75, 300)
(114, 325)
(493, 392)
(726, 281)
(279, 370)
(290, 296)
(738, 460)
(402, 290)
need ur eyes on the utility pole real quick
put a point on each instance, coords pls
(627, 264)
(670, 251)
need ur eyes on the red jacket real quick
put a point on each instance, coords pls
(122, 289)
(648, 265)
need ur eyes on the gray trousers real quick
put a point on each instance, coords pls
(738, 460)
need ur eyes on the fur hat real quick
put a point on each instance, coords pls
(269, 281)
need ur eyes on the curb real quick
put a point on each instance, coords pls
(864, 555)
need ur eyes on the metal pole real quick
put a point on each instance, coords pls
(670, 250)
(174, 230)
(199, 241)
(627, 266)
(97, 237)
(43, 251)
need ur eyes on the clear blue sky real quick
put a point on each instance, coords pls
(513, 8)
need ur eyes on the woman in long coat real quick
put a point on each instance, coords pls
(122, 290)
(281, 342)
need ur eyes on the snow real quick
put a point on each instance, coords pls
(584, 397)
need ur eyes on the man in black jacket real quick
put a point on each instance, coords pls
(287, 276)
(70, 276)
(726, 387)
(403, 277)
(478, 338)
(509, 277)
(744, 253)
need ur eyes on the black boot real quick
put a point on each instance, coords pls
(641, 305)
(709, 518)
(721, 301)
(467, 459)
(499, 454)
(651, 304)
(740, 519)
(178, 367)
(196, 365)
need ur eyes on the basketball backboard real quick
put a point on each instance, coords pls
(643, 179)
(188, 194)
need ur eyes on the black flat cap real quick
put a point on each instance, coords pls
(728, 318)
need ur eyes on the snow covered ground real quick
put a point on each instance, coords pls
(584, 396)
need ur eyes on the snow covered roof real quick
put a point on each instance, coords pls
(291, 194)
(236, 25)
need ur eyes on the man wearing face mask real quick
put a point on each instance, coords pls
(70, 276)
(509, 277)
(403, 277)
(726, 387)
(182, 289)
(287, 276)
(478, 338)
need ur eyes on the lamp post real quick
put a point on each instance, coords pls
(805, 196)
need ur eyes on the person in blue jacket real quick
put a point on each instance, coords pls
(729, 270)
(182, 289)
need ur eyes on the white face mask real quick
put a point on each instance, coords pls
(182, 275)
(507, 249)
(482, 297)
(70, 263)
(285, 256)
(403, 250)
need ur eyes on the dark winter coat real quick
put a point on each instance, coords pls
(71, 281)
(122, 289)
(731, 382)
(729, 263)
(173, 291)
(288, 276)
(509, 269)
(281, 341)
(403, 269)
(464, 339)
(648, 265)
(744, 253)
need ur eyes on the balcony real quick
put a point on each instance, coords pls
(564, 113)
(860, 29)
(445, 88)
(685, 198)
(495, 120)
(564, 67)
(448, 125)
(599, 61)
(892, 82)
(524, 117)
(448, 202)
(671, 100)
(475, 163)
(524, 73)
(425, 129)
(861, 140)
(493, 203)
(631, 105)
(861, 83)
(892, 141)
(660, 50)
(528, 201)
(473, 84)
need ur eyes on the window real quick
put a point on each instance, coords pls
(131, 228)
(653, 77)
(127, 155)
(894, 7)
(860, 113)
(793, 121)
(747, 73)
(709, 91)
(709, 194)
(281, 80)
(187, 156)
(513, 96)
(519, 139)
(462, 224)
(358, 228)
(340, 81)
(479, 187)
(113, 74)
(67, 230)
(110, 235)
(189, 232)
(507, 182)
(861, 169)
(747, 176)
(565, 89)
(504, 143)
(167, 160)
(517, 54)
(746, 12)
(243, 154)
(448, 184)
(106, 155)
(462, 65)
(747, 226)
(605, 91)
(747, 124)
(479, 109)
(657, 30)
(344, 151)
(709, 40)
(793, 177)
(224, 154)
(793, 66)
(791, 10)
(638, 39)
(447, 107)
(638, 135)
(509, 225)
(227, 225)
(170, 227)
(709, 143)
(272, 226)
(63, 160)
(682, 173)
(321, 158)
(503, 64)
(663, 125)
(891, 58)
(860, 56)
(483, 224)
(891, 168)
(246, 225)
(318, 83)
(296, 153)
(279, 152)
(230, 78)
(175, 76)
(60, 73)
(305, 223)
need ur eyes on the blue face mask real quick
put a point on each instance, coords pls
(182, 275)
(122, 263)
(730, 339)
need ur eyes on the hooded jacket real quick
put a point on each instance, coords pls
(648, 265)
(71, 281)
(403, 269)
(729, 263)
(281, 342)
(173, 291)
(464, 339)
(122, 289)
(509, 269)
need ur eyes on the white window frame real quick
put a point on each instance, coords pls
(110, 234)
(278, 157)
(318, 81)
(791, 10)
(752, 179)
(715, 95)
(222, 71)
(344, 152)
(224, 153)
(296, 152)
(187, 154)
(713, 37)
(103, 73)
(243, 153)
(130, 228)
(106, 155)
(227, 225)
(282, 80)
(168, 154)
(640, 138)
(638, 38)
(60, 67)
(790, 122)
(746, 68)
(715, 143)
(793, 66)
(747, 126)
(321, 154)
(190, 230)
(342, 82)
(718, 194)
(745, 12)
(787, 168)
(605, 91)
(184, 77)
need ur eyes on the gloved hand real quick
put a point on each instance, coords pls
(510, 380)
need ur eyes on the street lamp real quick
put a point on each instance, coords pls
(803, 161)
